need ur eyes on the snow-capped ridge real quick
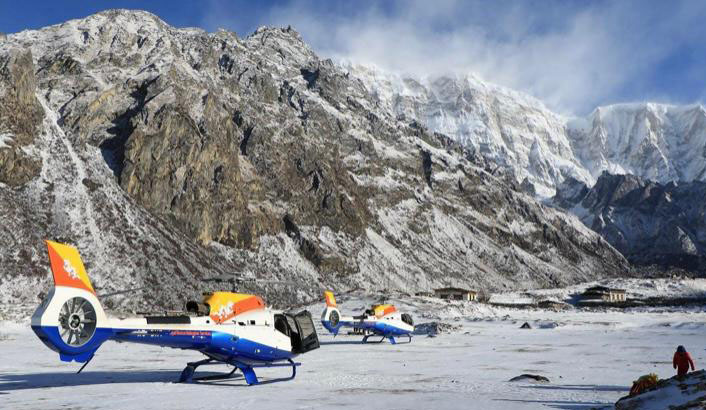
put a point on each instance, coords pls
(499, 123)
(662, 142)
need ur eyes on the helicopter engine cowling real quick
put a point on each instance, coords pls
(71, 322)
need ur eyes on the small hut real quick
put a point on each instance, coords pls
(603, 294)
(552, 305)
(456, 294)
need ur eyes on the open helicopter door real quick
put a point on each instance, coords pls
(302, 332)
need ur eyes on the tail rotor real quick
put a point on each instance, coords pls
(77, 321)
(331, 316)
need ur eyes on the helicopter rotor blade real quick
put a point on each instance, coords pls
(243, 279)
(286, 282)
(121, 292)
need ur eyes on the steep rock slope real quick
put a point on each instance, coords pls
(20, 116)
(171, 155)
(649, 222)
(656, 141)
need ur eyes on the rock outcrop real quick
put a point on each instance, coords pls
(649, 222)
(20, 117)
(675, 393)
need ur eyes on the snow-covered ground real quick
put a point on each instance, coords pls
(590, 358)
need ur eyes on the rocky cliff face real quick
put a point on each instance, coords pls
(649, 222)
(172, 155)
(20, 117)
(655, 141)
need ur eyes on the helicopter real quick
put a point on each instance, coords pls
(381, 320)
(228, 328)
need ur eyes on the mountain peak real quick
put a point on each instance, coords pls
(516, 130)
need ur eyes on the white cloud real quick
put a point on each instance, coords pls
(572, 56)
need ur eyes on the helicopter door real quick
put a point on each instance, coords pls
(281, 324)
(303, 333)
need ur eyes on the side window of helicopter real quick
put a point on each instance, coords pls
(281, 324)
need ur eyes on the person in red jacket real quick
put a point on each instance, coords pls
(681, 361)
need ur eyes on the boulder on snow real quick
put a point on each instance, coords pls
(547, 324)
(434, 328)
(687, 393)
(530, 378)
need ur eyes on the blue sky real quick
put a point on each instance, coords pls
(573, 55)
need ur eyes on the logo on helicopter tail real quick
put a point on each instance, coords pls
(70, 270)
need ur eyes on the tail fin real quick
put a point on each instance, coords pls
(67, 267)
(70, 320)
(330, 299)
(331, 316)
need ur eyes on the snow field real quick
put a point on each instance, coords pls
(590, 358)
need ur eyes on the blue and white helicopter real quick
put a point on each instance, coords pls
(381, 320)
(228, 328)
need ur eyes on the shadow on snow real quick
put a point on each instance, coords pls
(564, 404)
(30, 381)
(581, 387)
(343, 342)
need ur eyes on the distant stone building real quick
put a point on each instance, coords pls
(427, 294)
(456, 294)
(603, 294)
(552, 305)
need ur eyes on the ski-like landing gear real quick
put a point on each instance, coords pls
(187, 375)
(251, 378)
(382, 339)
(390, 338)
(394, 342)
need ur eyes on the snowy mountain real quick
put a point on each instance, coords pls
(648, 222)
(654, 141)
(658, 142)
(168, 156)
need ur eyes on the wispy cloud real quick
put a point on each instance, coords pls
(571, 55)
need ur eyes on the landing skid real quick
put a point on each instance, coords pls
(383, 337)
(409, 340)
(187, 375)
